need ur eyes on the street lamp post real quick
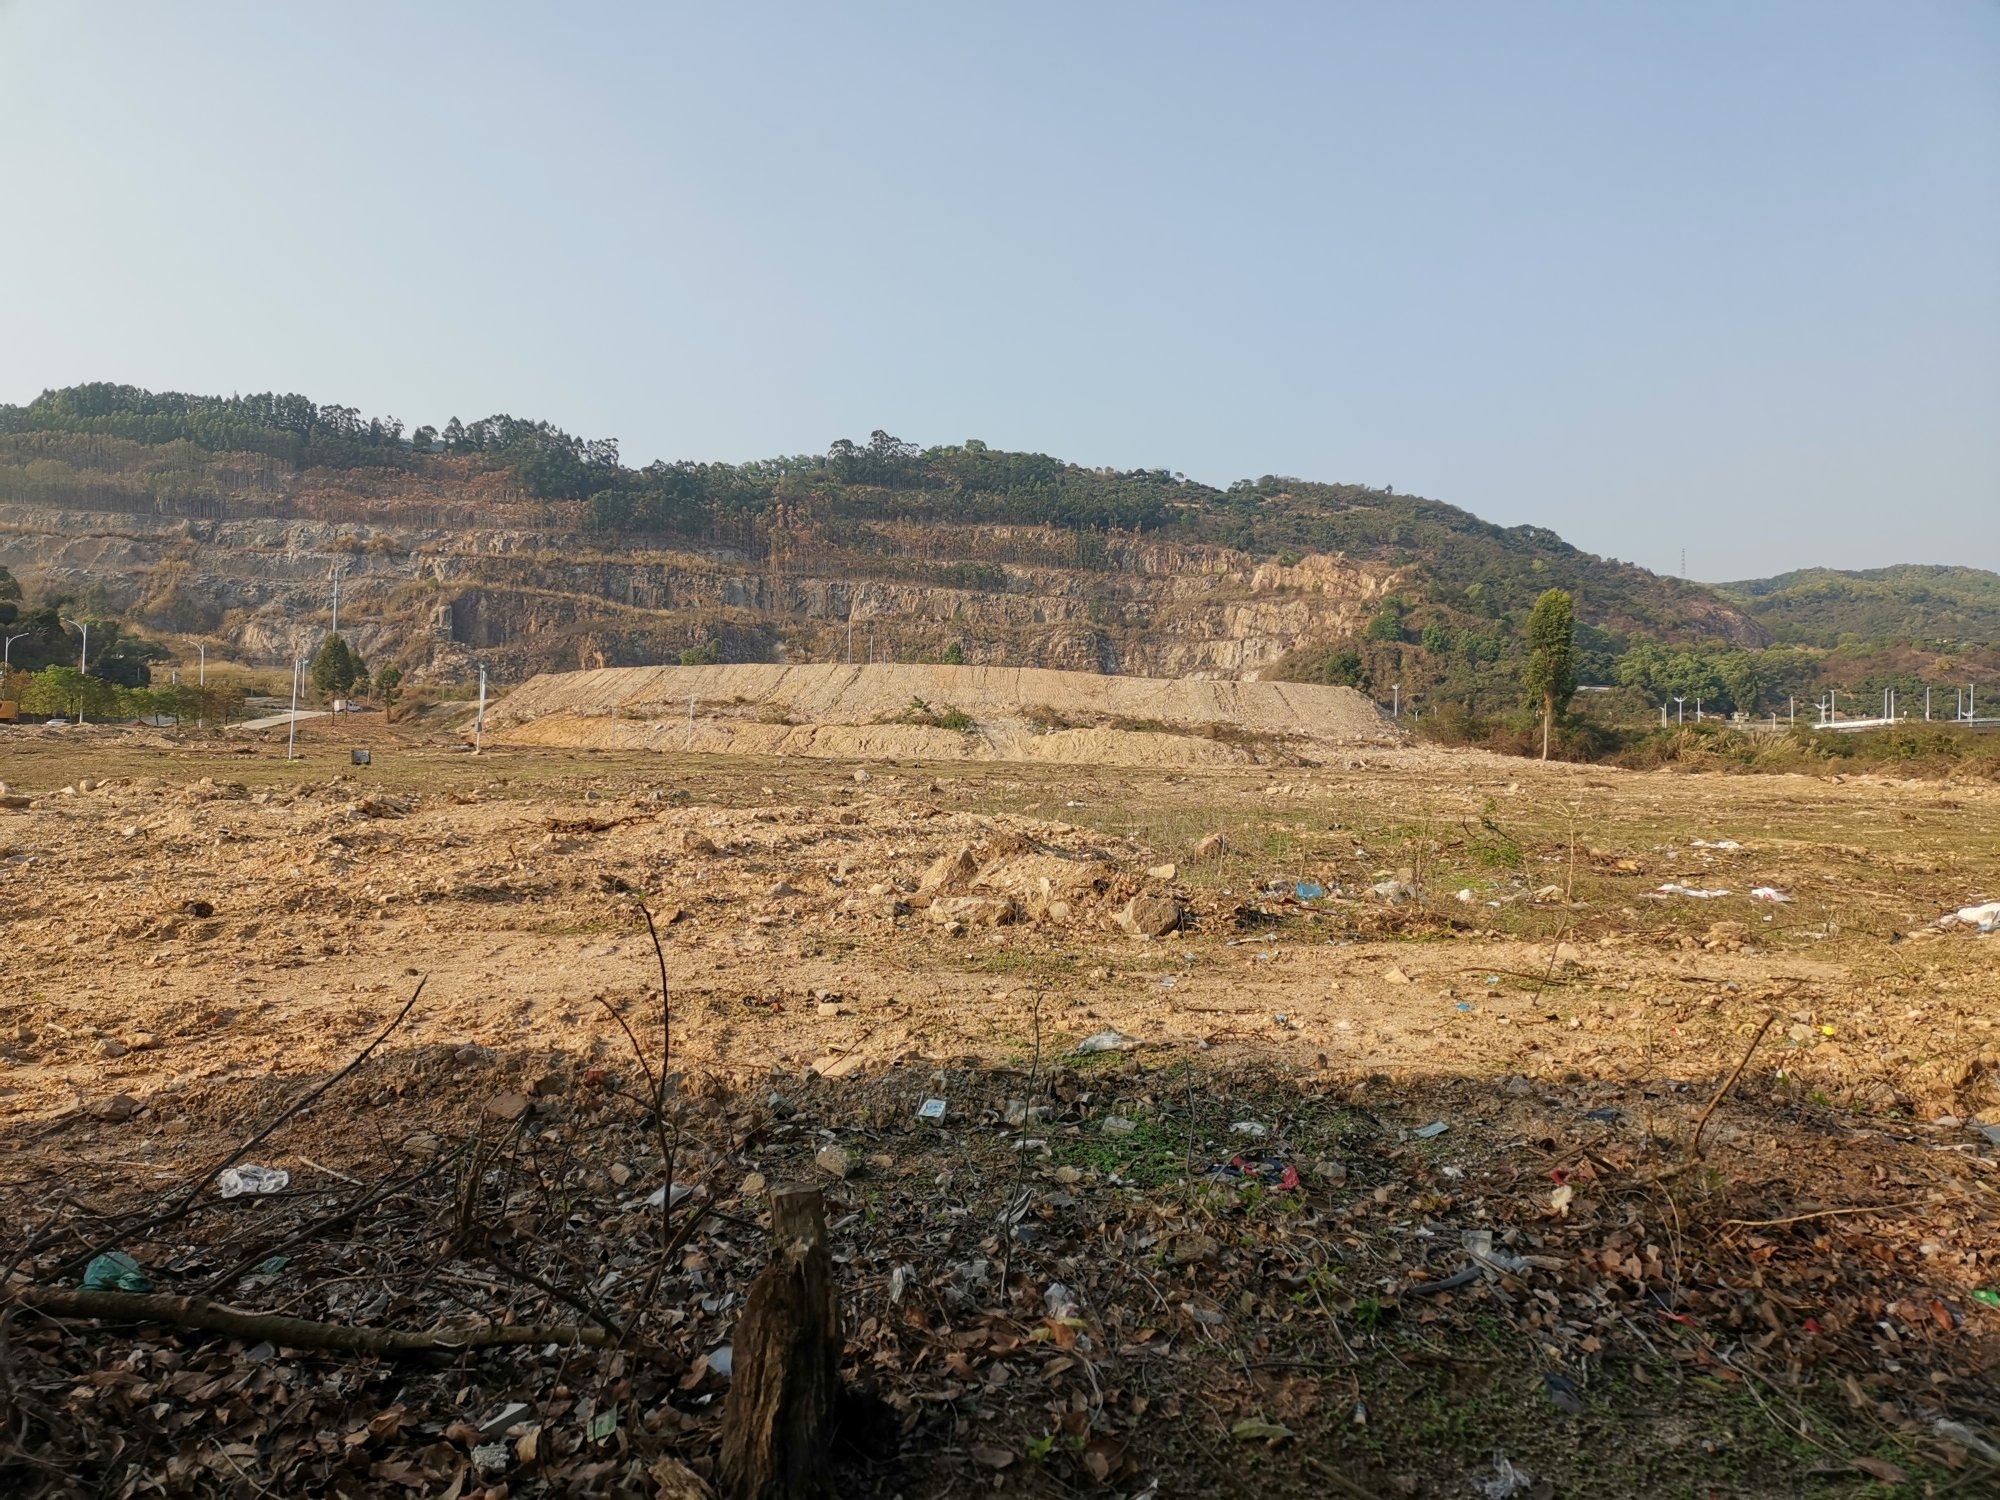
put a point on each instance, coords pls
(1396, 700)
(479, 724)
(292, 736)
(1680, 711)
(82, 661)
(7, 650)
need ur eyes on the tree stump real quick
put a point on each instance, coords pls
(777, 1425)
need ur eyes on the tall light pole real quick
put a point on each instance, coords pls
(1663, 713)
(202, 681)
(292, 737)
(1680, 711)
(1697, 710)
(338, 574)
(82, 662)
(479, 724)
(7, 650)
(1396, 700)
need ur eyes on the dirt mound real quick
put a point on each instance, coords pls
(940, 713)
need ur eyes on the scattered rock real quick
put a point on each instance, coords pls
(1149, 916)
(949, 871)
(1162, 872)
(508, 1106)
(115, 1110)
(834, 1161)
(973, 911)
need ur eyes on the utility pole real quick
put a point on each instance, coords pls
(202, 681)
(1396, 701)
(479, 724)
(338, 574)
(1663, 713)
(292, 736)
(82, 663)
(7, 650)
(1927, 703)
(1697, 710)
(1791, 710)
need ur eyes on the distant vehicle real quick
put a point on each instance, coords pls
(10, 711)
(55, 723)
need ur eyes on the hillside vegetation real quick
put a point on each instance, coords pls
(1911, 602)
(543, 549)
(106, 446)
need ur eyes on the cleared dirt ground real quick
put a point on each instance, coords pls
(1054, 1289)
(941, 714)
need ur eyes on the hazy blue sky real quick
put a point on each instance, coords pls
(1715, 275)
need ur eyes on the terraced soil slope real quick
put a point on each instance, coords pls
(940, 712)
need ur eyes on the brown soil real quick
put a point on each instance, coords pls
(892, 712)
(197, 935)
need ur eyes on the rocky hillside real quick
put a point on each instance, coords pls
(226, 519)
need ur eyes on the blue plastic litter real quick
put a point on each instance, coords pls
(1310, 890)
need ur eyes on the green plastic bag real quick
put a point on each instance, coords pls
(115, 1271)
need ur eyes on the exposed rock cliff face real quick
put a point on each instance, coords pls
(524, 599)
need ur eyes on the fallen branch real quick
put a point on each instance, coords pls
(304, 1333)
(1730, 1082)
(1824, 1213)
(1447, 1284)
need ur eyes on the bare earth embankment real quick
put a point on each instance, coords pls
(1426, 1142)
(940, 713)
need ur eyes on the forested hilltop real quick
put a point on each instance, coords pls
(174, 450)
(1327, 582)
(1909, 602)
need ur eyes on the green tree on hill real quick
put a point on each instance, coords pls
(336, 667)
(1551, 672)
